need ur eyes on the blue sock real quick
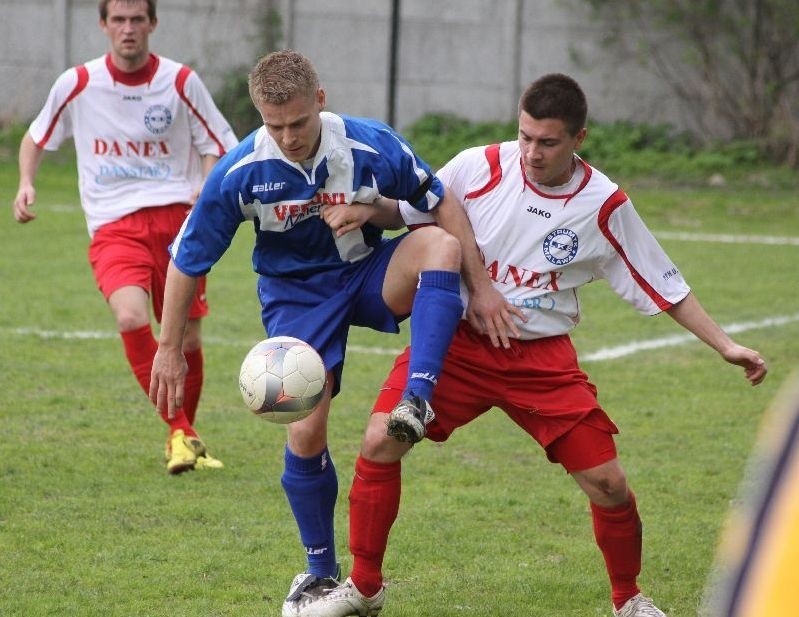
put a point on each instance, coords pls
(436, 311)
(311, 486)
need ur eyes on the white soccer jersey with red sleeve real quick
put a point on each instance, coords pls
(138, 136)
(541, 244)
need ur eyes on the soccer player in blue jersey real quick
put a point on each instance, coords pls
(322, 271)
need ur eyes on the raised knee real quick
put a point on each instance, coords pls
(450, 246)
(444, 247)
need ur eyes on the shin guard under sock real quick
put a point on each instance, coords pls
(437, 309)
(194, 384)
(311, 487)
(618, 533)
(140, 347)
(374, 505)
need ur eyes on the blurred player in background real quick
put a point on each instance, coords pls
(146, 132)
(758, 558)
(546, 223)
(321, 271)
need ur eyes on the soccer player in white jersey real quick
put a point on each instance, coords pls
(296, 180)
(546, 223)
(146, 131)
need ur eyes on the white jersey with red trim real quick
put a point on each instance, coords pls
(138, 136)
(540, 244)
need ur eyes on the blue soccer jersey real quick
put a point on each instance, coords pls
(358, 159)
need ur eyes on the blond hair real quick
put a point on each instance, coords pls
(280, 76)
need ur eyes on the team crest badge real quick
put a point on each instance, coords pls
(157, 119)
(560, 246)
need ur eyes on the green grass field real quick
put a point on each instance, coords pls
(91, 525)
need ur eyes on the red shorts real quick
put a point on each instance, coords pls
(135, 251)
(537, 383)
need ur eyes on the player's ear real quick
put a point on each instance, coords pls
(580, 137)
(320, 98)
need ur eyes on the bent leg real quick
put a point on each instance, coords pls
(130, 307)
(423, 279)
(617, 527)
(374, 503)
(588, 453)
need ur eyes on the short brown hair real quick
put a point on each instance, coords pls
(103, 7)
(556, 96)
(280, 76)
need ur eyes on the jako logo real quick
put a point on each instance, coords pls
(534, 210)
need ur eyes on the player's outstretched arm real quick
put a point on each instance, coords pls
(169, 364)
(30, 157)
(690, 314)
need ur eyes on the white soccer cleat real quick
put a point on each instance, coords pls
(305, 588)
(639, 606)
(345, 600)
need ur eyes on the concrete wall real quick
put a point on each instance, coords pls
(41, 38)
(468, 57)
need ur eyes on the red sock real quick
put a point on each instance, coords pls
(374, 505)
(194, 383)
(140, 347)
(618, 534)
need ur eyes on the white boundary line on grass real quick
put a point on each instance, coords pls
(610, 353)
(605, 353)
(689, 236)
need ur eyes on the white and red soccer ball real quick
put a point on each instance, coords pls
(282, 379)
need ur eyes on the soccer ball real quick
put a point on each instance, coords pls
(282, 379)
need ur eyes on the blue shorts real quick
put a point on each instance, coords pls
(320, 308)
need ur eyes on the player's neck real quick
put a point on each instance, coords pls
(566, 184)
(562, 180)
(138, 77)
(131, 64)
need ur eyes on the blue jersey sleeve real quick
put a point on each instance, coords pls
(401, 174)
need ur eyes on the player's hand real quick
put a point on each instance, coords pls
(490, 314)
(754, 365)
(344, 219)
(22, 204)
(167, 379)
